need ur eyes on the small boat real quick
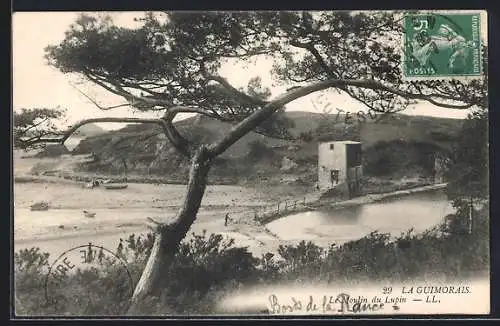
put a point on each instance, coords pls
(40, 206)
(88, 214)
(112, 186)
(89, 185)
(93, 184)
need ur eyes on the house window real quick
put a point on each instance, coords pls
(331, 147)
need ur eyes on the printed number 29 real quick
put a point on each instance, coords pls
(386, 290)
(422, 24)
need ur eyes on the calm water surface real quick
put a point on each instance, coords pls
(420, 211)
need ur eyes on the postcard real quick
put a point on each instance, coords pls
(220, 163)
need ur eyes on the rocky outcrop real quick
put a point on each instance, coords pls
(287, 164)
(145, 151)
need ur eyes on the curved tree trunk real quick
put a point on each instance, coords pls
(169, 236)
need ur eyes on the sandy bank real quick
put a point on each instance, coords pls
(121, 213)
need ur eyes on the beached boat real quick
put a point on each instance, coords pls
(88, 214)
(40, 206)
(113, 186)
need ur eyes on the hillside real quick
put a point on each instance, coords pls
(408, 143)
(89, 130)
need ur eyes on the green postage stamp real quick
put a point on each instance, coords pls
(442, 46)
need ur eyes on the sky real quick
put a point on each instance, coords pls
(35, 84)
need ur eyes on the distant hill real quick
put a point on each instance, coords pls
(52, 150)
(441, 131)
(89, 130)
(411, 141)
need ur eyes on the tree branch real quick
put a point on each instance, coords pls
(26, 143)
(177, 140)
(260, 115)
(190, 109)
(25, 131)
(231, 88)
(150, 102)
(66, 134)
(235, 92)
(375, 85)
(134, 101)
(331, 74)
(312, 49)
(97, 104)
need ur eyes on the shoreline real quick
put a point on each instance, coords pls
(246, 231)
(358, 201)
(372, 198)
(244, 201)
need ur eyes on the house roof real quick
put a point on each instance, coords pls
(341, 142)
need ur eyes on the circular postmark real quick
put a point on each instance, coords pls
(83, 269)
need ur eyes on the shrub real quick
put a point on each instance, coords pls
(386, 158)
(30, 265)
(306, 136)
(206, 268)
(258, 150)
(303, 259)
(203, 265)
(52, 151)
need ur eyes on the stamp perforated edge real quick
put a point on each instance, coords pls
(483, 14)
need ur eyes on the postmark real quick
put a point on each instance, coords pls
(442, 46)
(77, 259)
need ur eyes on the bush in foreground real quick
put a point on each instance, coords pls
(207, 268)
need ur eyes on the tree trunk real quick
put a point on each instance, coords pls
(471, 216)
(168, 237)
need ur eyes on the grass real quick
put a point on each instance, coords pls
(207, 268)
